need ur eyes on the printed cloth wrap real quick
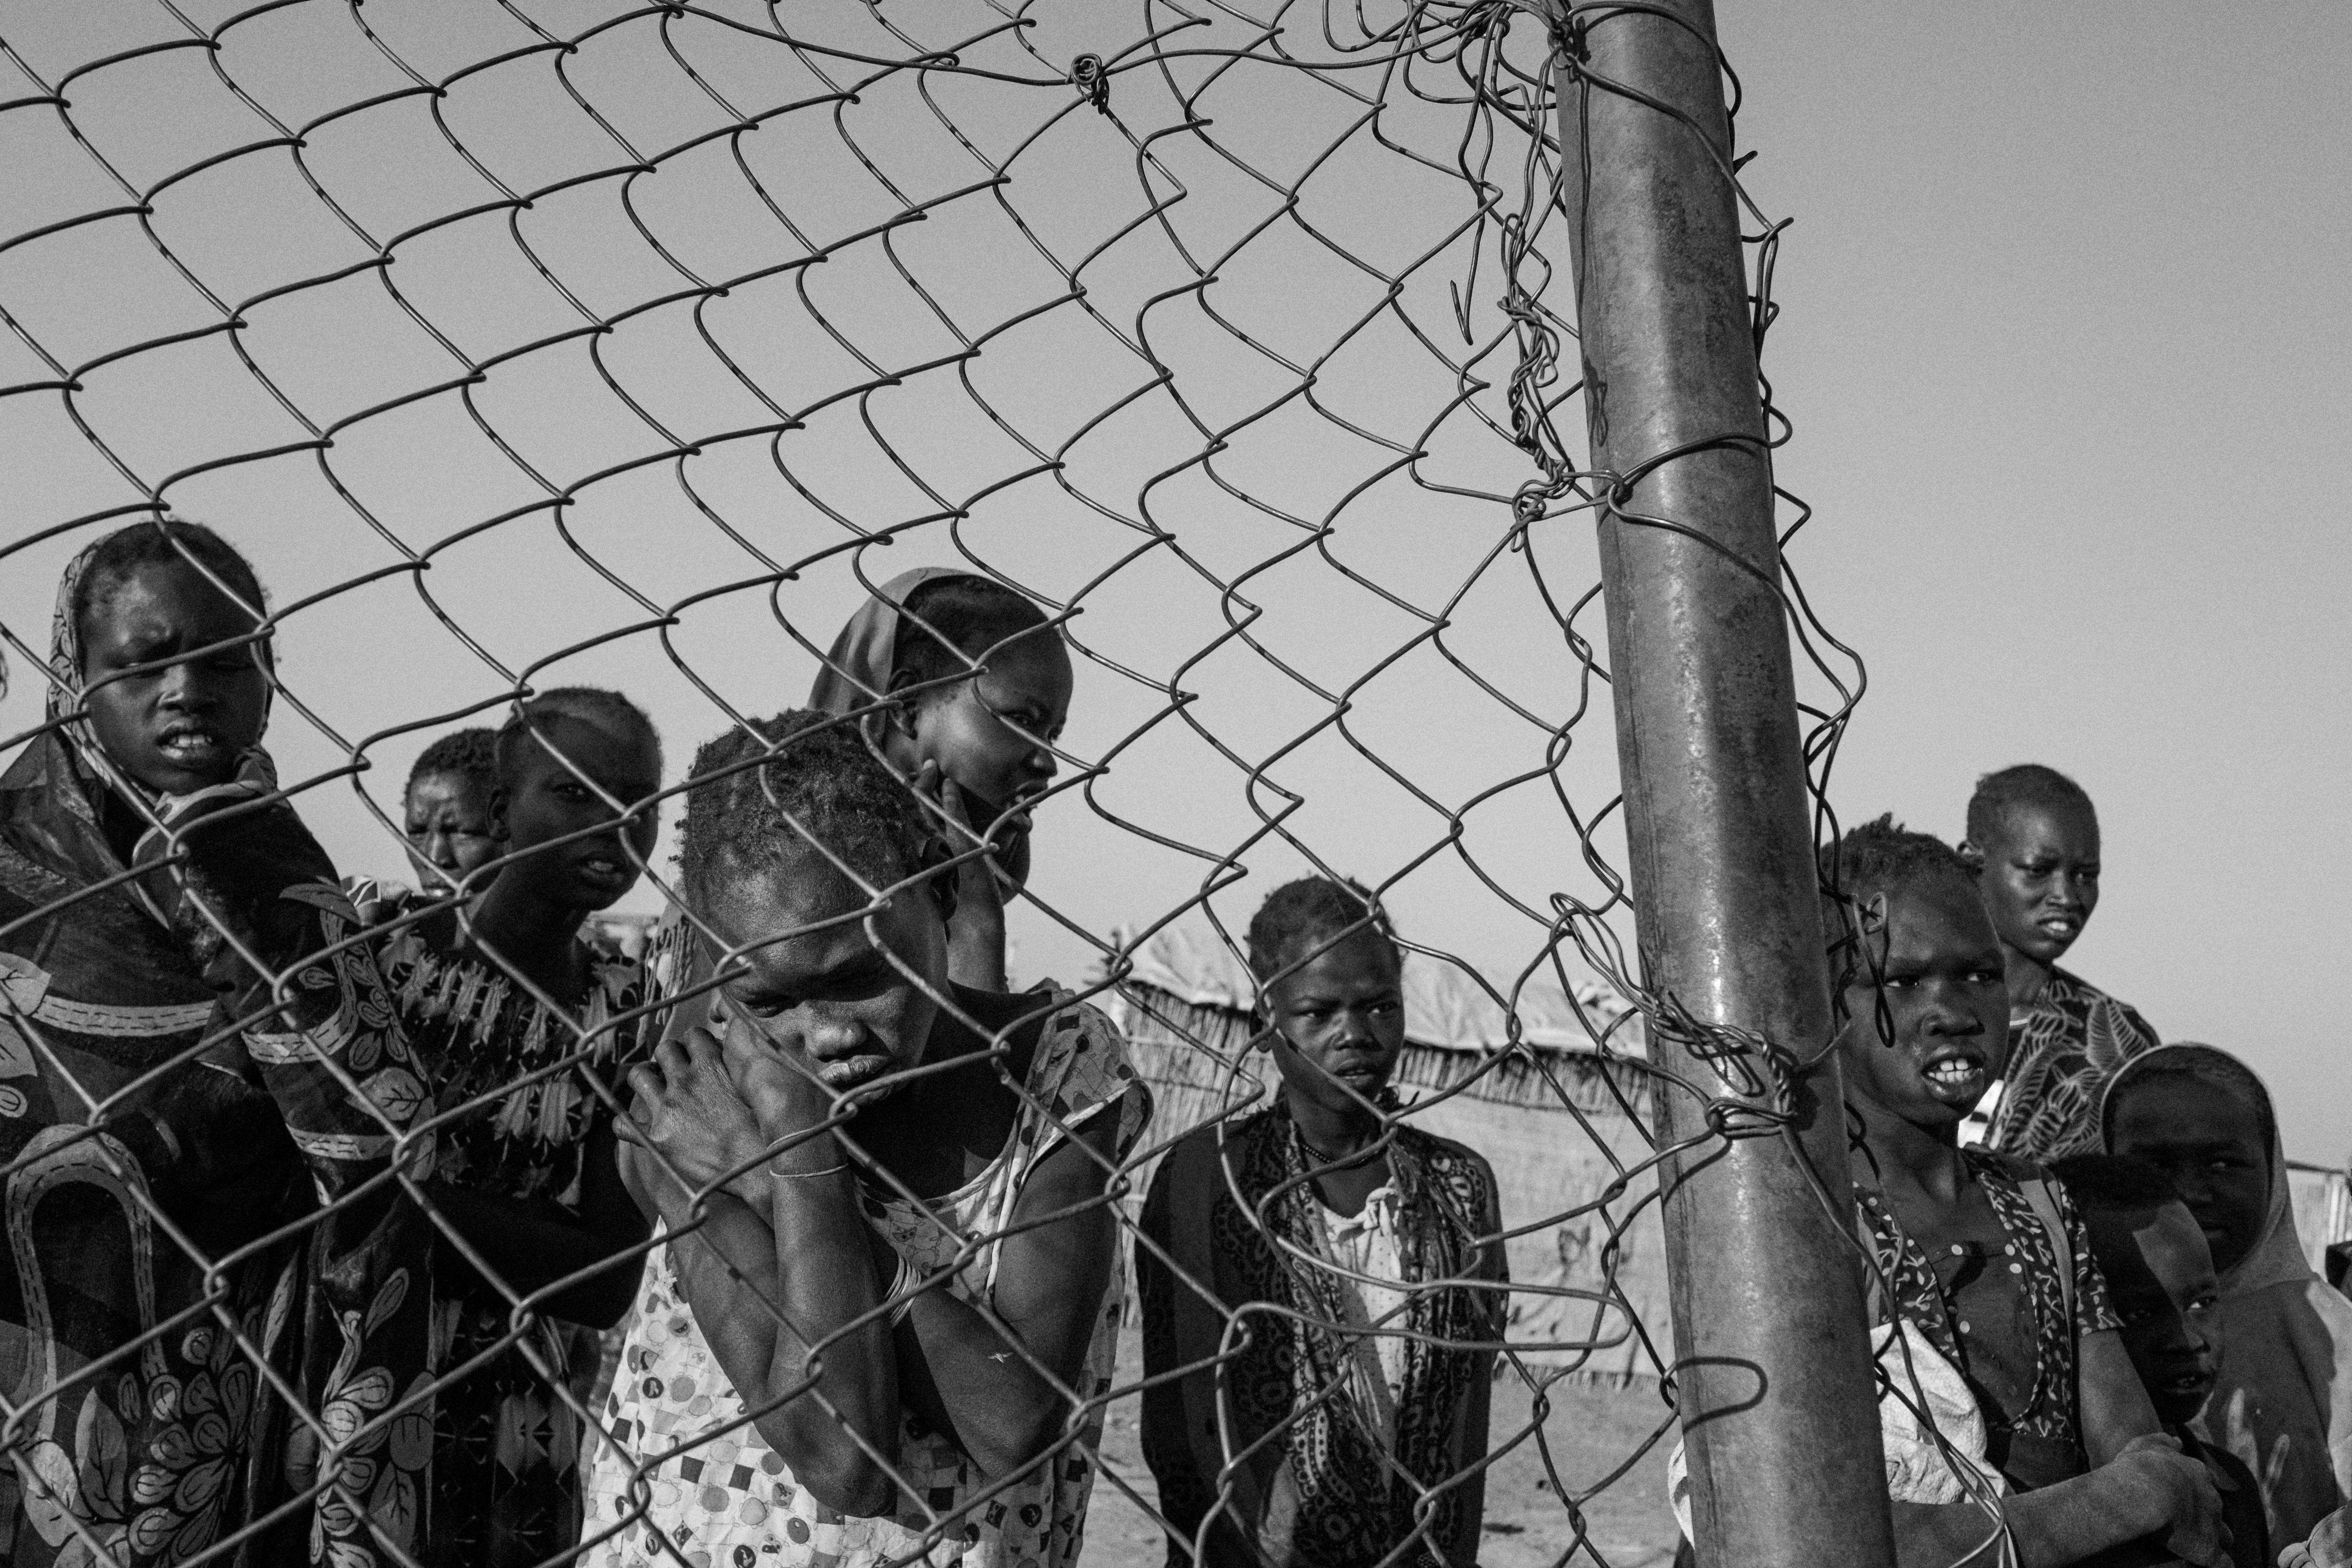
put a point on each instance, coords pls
(507, 1472)
(1325, 1477)
(2062, 1050)
(198, 1062)
(722, 1498)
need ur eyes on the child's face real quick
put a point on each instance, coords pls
(2161, 1279)
(180, 728)
(2041, 877)
(1339, 1024)
(452, 828)
(832, 994)
(2209, 1142)
(549, 801)
(1948, 1002)
(970, 729)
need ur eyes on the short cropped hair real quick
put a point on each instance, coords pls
(590, 705)
(2115, 1183)
(971, 615)
(471, 755)
(1884, 856)
(823, 777)
(2027, 784)
(161, 542)
(1299, 917)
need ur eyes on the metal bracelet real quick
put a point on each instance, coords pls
(796, 1175)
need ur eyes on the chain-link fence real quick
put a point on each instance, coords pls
(527, 346)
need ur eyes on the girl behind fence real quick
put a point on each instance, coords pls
(449, 810)
(948, 1247)
(1333, 1374)
(2281, 1398)
(161, 1108)
(1983, 1255)
(981, 746)
(524, 1027)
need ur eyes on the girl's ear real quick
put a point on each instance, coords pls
(1973, 858)
(499, 801)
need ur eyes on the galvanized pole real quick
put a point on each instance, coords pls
(1772, 1358)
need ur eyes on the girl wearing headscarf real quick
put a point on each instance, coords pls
(979, 748)
(202, 1099)
(2282, 1399)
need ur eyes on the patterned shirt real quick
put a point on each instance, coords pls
(2031, 1262)
(724, 1499)
(2061, 1052)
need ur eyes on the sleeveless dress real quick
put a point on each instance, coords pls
(506, 1480)
(725, 1500)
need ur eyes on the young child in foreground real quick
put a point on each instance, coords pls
(525, 1029)
(2161, 1279)
(1320, 1210)
(1981, 1254)
(449, 810)
(943, 1237)
(2033, 843)
(2282, 1396)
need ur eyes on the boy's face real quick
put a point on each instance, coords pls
(2160, 1278)
(1945, 999)
(452, 828)
(832, 994)
(2208, 1139)
(2041, 877)
(550, 801)
(1339, 1024)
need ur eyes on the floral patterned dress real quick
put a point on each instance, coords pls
(714, 1494)
(2061, 1052)
(196, 1219)
(506, 1484)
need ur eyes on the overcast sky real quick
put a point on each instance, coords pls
(2063, 338)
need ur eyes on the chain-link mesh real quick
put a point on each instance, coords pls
(529, 345)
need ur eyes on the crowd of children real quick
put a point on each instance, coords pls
(362, 1223)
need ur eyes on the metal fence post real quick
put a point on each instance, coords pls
(1773, 1358)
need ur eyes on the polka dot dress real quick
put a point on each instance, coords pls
(714, 1494)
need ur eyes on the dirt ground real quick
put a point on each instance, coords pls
(1588, 1432)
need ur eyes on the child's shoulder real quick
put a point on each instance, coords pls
(2012, 1169)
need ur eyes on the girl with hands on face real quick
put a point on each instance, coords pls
(886, 1285)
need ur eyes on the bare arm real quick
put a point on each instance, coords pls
(1050, 1279)
(2150, 1490)
(766, 1305)
(2115, 1407)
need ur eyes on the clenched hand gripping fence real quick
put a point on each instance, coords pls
(529, 344)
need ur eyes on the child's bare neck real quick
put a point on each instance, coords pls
(1905, 1155)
